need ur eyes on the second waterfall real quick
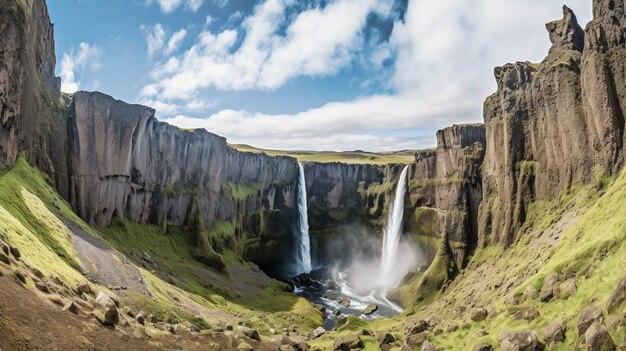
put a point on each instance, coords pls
(301, 231)
(393, 231)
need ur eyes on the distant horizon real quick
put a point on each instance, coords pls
(343, 75)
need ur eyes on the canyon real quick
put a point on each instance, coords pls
(505, 214)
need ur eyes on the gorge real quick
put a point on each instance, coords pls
(119, 231)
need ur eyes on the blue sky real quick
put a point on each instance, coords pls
(322, 74)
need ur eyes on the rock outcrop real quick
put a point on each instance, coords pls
(557, 123)
(445, 189)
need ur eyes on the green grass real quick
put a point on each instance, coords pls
(29, 221)
(356, 157)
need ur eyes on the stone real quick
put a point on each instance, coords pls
(104, 300)
(15, 252)
(371, 308)
(555, 332)
(244, 346)
(598, 338)
(549, 284)
(527, 313)
(587, 317)
(317, 332)
(520, 341)
(83, 289)
(566, 289)
(71, 306)
(515, 298)
(5, 259)
(111, 317)
(319, 307)
(140, 318)
(618, 296)
(384, 338)
(483, 347)
(249, 333)
(414, 325)
(43, 287)
(146, 257)
(428, 346)
(479, 314)
(531, 293)
(415, 340)
(348, 342)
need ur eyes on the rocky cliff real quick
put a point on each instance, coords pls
(557, 123)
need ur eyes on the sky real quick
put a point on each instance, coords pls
(376, 75)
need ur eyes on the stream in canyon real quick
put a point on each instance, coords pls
(360, 288)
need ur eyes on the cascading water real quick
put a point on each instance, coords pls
(393, 231)
(301, 232)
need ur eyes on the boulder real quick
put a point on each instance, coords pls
(414, 325)
(554, 332)
(249, 333)
(520, 341)
(317, 332)
(83, 289)
(104, 300)
(15, 252)
(527, 313)
(348, 342)
(587, 317)
(146, 257)
(414, 341)
(479, 314)
(384, 338)
(111, 317)
(549, 284)
(483, 347)
(5, 259)
(566, 289)
(530, 292)
(244, 346)
(371, 308)
(71, 306)
(618, 296)
(428, 346)
(597, 338)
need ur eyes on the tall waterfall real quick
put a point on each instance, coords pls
(301, 232)
(393, 230)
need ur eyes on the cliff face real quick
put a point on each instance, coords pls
(445, 190)
(557, 123)
(30, 102)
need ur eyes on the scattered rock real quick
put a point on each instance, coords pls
(597, 338)
(105, 300)
(21, 278)
(479, 314)
(587, 317)
(483, 347)
(555, 332)
(371, 308)
(5, 259)
(414, 325)
(428, 346)
(515, 298)
(618, 296)
(141, 319)
(348, 342)
(111, 317)
(71, 306)
(147, 258)
(384, 338)
(415, 340)
(527, 313)
(319, 331)
(566, 289)
(83, 289)
(547, 291)
(520, 341)
(43, 287)
(56, 204)
(255, 268)
(15, 252)
(249, 333)
(530, 292)
(244, 346)
(5, 249)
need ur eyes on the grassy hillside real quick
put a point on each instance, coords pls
(351, 157)
(34, 219)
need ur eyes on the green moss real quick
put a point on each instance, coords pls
(416, 184)
(528, 168)
(240, 192)
(376, 189)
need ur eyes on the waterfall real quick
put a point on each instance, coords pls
(393, 231)
(301, 232)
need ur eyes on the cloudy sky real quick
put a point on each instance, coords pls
(376, 75)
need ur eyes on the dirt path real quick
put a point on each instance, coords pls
(102, 264)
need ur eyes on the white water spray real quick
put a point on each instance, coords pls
(301, 232)
(393, 231)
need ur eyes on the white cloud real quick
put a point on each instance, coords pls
(175, 41)
(156, 39)
(317, 42)
(168, 6)
(444, 51)
(73, 64)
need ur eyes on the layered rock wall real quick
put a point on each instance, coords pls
(557, 123)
